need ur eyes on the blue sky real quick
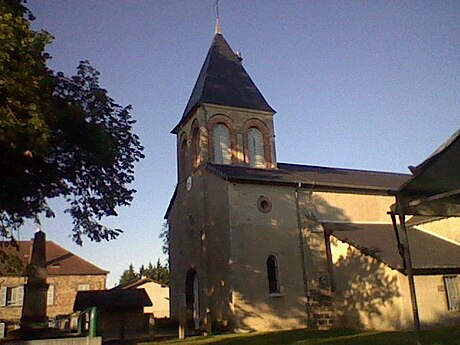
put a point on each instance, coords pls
(357, 84)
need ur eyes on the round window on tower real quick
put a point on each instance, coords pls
(264, 204)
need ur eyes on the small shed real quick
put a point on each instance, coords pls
(120, 312)
(158, 293)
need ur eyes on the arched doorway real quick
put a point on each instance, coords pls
(192, 299)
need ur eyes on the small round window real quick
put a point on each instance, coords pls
(264, 204)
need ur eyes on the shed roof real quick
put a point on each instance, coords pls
(224, 81)
(434, 188)
(59, 261)
(112, 299)
(429, 253)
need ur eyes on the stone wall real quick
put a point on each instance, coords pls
(61, 341)
(65, 291)
(66, 288)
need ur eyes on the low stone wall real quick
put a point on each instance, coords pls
(60, 341)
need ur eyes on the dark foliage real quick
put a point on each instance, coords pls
(158, 273)
(59, 136)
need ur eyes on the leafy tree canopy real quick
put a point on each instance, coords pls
(164, 237)
(158, 273)
(59, 136)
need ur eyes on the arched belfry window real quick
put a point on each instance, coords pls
(222, 146)
(196, 147)
(255, 147)
(272, 275)
(257, 143)
(183, 159)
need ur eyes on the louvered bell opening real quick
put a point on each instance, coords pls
(255, 148)
(222, 148)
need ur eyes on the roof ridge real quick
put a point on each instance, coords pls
(344, 169)
(78, 256)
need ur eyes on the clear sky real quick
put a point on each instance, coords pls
(357, 84)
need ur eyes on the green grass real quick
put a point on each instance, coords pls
(445, 336)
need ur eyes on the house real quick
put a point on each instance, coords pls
(67, 274)
(158, 294)
(260, 245)
(120, 312)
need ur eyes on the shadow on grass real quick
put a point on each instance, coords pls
(446, 336)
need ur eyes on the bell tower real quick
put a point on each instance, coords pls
(226, 120)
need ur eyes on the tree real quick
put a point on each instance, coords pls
(59, 136)
(158, 273)
(164, 236)
(128, 276)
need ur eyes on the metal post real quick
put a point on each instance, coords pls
(80, 325)
(208, 330)
(302, 254)
(93, 321)
(410, 277)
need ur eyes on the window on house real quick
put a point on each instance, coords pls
(222, 147)
(272, 275)
(83, 287)
(452, 292)
(50, 295)
(196, 147)
(255, 148)
(12, 296)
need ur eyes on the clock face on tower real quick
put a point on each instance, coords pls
(189, 183)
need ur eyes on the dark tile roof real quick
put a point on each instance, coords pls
(314, 176)
(59, 260)
(434, 189)
(224, 81)
(112, 299)
(428, 252)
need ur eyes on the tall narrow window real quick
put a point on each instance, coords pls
(272, 275)
(183, 159)
(255, 148)
(196, 147)
(452, 292)
(50, 295)
(222, 147)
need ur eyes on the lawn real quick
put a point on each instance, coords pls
(446, 336)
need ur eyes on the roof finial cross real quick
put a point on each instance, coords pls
(218, 29)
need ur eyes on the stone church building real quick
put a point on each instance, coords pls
(260, 245)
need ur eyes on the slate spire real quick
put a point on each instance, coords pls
(224, 81)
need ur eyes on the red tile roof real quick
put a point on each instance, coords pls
(59, 260)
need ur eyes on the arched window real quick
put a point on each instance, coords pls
(272, 275)
(255, 147)
(183, 159)
(196, 147)
(192, 297)
(222, 147)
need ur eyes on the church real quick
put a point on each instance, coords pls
(258, 245)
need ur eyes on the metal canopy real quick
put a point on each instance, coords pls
(434, 188)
